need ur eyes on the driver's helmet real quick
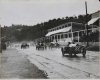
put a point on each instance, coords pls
(68, 44)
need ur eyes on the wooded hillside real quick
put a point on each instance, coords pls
(25, 32)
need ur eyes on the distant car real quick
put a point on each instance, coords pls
(40, 46)
(53, 45)
(74, 50)
(24, 45)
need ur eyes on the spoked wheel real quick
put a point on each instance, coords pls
(62, 51)
(70, 52)
(84, 52)
(84, 55)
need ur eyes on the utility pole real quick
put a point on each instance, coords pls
(86, 23)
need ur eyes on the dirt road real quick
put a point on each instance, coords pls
(59, 67)
(17, 66)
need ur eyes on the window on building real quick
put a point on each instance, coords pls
(75, 40)
(89, 32)
(80, 33)
(62, 26)
(94, 26)
(52, 37)
(61, 35)
(69, 24)
(58, 36)
(59, 27)
(70, 35)
(66, 35)
(66, 25)
(75, 34)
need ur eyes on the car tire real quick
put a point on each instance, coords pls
(62, 51)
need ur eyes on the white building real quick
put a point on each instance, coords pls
(95, 19)
(68, 32)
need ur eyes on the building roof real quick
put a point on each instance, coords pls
(61, 25)
(96, 12)
(66, 29)
(93, 20)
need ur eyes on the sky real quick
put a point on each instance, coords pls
(32, 12)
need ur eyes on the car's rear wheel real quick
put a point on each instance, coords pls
(84, 52)
(63, 54)
(84, 55)
(62, 51)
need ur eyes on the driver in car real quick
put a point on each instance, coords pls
(72, 44)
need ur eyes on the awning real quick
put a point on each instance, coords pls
(59, 31)
(93, 20)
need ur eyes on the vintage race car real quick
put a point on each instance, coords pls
(40, 46)
(24, 45)
(74, 50)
